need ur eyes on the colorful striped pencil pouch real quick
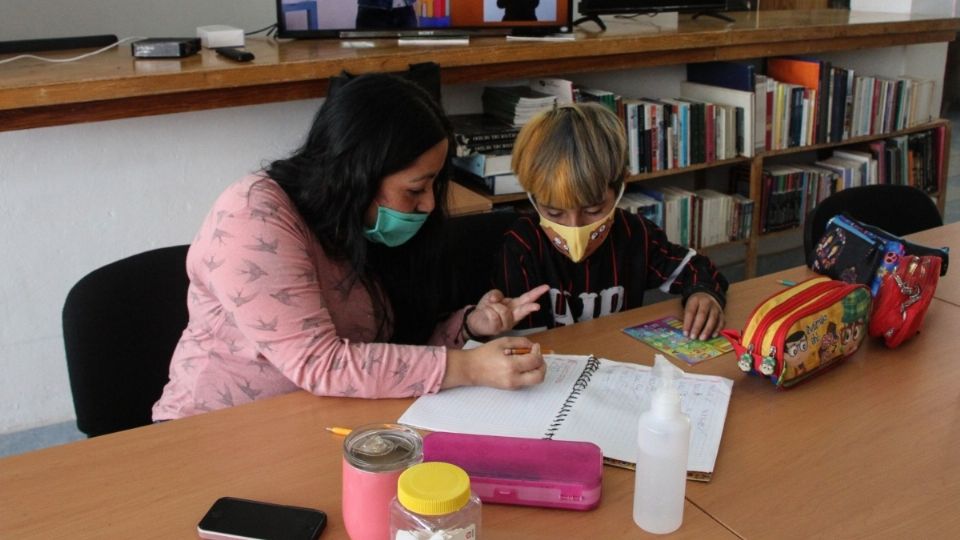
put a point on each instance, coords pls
(803, 330)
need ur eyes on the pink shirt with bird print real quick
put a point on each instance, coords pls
(270, 313)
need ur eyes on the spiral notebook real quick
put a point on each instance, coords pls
(583, 398)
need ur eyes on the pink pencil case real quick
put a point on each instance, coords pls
(521, 471)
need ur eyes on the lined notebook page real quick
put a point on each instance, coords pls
(609, 408)
(605, 413)
(490, 411)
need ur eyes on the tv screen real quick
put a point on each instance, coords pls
(600, 7)
(399, 18)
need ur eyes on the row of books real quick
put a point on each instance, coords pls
(695, 219)
(805, 101)
(675, 133)
(713, 122)
(790, 192)
(480, 133)
(517, 104)
(797, 102)
(703, 125)
(505, 110)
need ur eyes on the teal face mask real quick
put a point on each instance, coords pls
(393, 227)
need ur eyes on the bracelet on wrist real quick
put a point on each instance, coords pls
(465, 328)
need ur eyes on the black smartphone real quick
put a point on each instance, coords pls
(240, 519)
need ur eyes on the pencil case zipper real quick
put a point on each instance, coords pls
(754, 340)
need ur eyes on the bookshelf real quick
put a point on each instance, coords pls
(113, 85)
(756, 164)
(758, 161)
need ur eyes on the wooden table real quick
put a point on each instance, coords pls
(157, 481)
(869, 449)
(948, 288)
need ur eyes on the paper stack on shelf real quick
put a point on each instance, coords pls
(515, 104)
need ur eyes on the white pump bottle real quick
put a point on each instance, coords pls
(663, 442)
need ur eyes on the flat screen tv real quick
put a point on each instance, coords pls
(603, 7)
(592, 9)
(405, 18)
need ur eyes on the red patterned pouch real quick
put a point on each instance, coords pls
(903, 299)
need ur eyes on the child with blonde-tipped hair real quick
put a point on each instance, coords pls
(596, 258)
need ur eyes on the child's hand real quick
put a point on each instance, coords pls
(496, 314)
(702, 316)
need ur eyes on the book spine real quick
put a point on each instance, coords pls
(823, 103)
(739, 128)
(474, 138)
(796, 117)
(485, 147)
(711, 132)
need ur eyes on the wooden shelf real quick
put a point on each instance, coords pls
(724, 245)
(782, 233)
(114, 85)
(461, 200)
(692, 168)
(513, 197)
(853, 140)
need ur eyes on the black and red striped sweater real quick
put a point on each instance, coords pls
(636, 256)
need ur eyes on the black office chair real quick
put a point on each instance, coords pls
(121, 324)
(899, 210)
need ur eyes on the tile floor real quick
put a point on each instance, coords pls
(41, 437)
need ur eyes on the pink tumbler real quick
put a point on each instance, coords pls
(373, 458)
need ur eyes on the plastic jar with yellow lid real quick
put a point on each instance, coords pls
(434, 502)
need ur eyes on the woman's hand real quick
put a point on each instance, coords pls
(490, 365)
(495, 314)
(702, 316)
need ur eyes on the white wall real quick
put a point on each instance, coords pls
(929, 7)
(34, 19)
(75, 197)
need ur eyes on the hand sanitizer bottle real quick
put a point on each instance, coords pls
(664, 442)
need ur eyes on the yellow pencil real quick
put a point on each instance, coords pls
(339, 430)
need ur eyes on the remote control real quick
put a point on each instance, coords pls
(235, 54)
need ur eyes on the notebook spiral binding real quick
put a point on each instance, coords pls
(593, 364)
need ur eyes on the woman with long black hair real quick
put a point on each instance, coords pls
(321, 272)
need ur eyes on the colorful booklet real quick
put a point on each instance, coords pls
(666, 335)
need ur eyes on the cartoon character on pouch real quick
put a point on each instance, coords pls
(796, 351)
(890, 261)
(856, 309)
(828, 249)
(830, 344)
(850, 335)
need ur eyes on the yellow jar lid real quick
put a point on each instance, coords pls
(433, 488)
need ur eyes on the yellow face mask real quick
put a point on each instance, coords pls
(578, 243)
